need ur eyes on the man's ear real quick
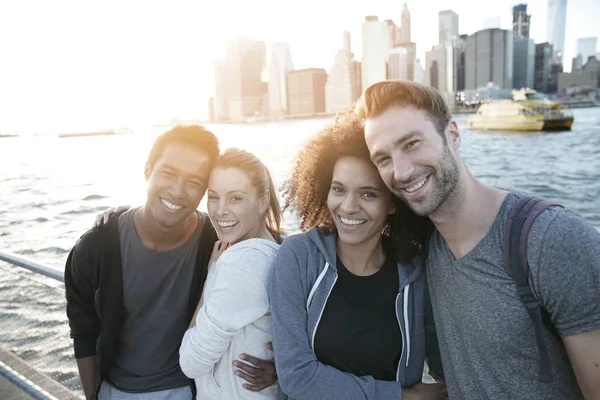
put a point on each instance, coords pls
(147, 170)
(453, 135)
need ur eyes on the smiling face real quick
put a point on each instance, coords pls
(176, 184)
(418, 165)
(235, 208)
(358, 201)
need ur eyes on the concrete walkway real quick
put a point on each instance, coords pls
(45, 385)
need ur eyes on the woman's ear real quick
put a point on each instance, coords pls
(264, 202)
(393, 209)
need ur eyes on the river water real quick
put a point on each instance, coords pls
(52, 188)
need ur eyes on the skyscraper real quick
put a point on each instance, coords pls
(556, 25)
(375, 48)
(404, 41)
(393, 32)
(347, 42)
(577, 63)
(543, 67)
(444, 65)
(489, 59)
(405, 25)
(587, 48)
(397, 66)
(221, 100)
(306, 91)
(437, 62)
(459, 51)
(411, 55)
(281, 64)
(246, 61)
(343, 85)
(419, 72)
(521, 21)
(448, 27)
(523, 62)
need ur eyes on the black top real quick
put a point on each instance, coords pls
(359, 332)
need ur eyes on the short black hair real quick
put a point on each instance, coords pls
(195, 136)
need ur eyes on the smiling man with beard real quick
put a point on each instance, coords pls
(132, 284)
(488, 342)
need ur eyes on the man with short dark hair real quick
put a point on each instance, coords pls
(490, 346)
(132, 285)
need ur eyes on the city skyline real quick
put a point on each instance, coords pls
(140, 63)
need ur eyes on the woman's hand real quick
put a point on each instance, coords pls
(218, 249)
(102, 219)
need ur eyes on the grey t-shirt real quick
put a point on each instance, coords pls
(486, 338)
(156, 289)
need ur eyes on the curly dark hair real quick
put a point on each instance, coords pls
(307, 189)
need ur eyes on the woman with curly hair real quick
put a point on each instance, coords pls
(350, 307)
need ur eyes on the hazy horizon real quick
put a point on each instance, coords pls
(68, 65)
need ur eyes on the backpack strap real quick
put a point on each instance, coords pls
(516, 234)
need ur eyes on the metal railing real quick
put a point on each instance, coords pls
(15, 377)
(24, 384)
(32, 265)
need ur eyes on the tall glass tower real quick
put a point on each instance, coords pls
(555, 34)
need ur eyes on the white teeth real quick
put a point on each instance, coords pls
(170, 205)
(226, 224)
(352, 221)
(416, 187)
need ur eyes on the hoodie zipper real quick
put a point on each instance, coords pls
(405, 337)
(407, 326)
(316, 285)
(403, 341)
(323, 308)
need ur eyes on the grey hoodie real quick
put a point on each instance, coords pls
(301, 281)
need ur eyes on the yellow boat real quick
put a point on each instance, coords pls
(525, 112)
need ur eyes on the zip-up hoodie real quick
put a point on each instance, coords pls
(304, 274)
(233, 320)
(94, 290)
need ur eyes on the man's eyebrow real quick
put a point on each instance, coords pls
(400, 140)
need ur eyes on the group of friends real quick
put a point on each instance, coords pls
(400, 268)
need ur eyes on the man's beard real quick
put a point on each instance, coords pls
(445, 176)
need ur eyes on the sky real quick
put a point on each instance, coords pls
(69, 65)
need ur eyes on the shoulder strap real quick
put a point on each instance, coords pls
(516, 234)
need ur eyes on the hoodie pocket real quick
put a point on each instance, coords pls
(207, 386)
(214, 381)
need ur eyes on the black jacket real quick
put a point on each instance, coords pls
(94, 290)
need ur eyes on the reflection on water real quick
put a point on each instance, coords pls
(52, 188)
